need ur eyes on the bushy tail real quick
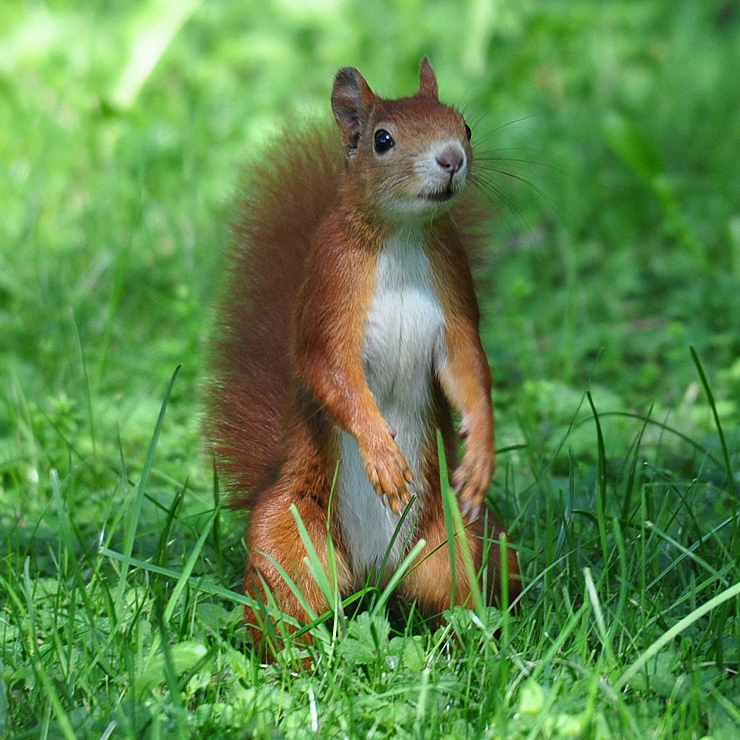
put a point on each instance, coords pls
(287, 192)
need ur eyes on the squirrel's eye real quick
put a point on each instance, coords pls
(383, 141)
(468, 132)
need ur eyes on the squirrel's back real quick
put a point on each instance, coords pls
(287, 192)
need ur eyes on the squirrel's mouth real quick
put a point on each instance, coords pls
(439, 196)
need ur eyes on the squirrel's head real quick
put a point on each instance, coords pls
(411, 155)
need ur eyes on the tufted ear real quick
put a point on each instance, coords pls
(427, 81)
(351, 101)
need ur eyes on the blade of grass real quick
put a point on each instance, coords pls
(312, 560)
(565, 633)
(61, 716)
(665, 427)
(190, 563)
(88, 388)
(216, 531)
(65, 526)
(164, 535)
(159, 25)
(398, 576)
(457, 533)
(36, 659)
(133, 521)
(718, 424)
(601, 493)
(396, 532)
(194, 582)
(340, 623)
(686, 552)
(171, 677)
(632, 475)
(593, 596)
(673, 632)
(623, 578)
(444, 485)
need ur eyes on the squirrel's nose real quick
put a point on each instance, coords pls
(451, 159)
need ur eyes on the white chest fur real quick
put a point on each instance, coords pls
(403, 346)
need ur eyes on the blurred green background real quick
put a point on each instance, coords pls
(613, 133)
(610, 133)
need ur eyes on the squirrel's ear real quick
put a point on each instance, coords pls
(427, 81)
(351, 101)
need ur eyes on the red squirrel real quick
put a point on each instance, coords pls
(349, 336)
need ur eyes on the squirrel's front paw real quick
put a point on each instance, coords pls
(471, 480)
(388, 472)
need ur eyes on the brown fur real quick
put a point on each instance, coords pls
(289, 370)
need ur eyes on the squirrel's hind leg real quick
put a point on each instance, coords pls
(430, 581)
(273, 539)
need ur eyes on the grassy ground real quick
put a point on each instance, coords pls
(620, 251)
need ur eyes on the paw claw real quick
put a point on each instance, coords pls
(469, 510)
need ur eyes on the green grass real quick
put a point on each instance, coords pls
(611, 296)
